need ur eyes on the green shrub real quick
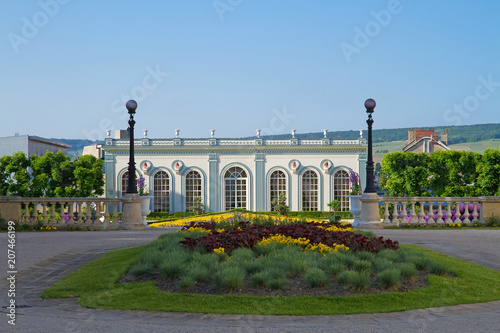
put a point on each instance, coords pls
(197, 272)
(437, 268)
(359, 280)
(316, 277)
(422, 263)
(153, 256)
(381, 264)
(348, 259)
(389, 255)
(172, 266)
(241, 254)
(343, 277)
(408, 270)
(362, 266)
(209, 260)
(335, 268)
(229, 278)
(363, 255)
(260, 279)
(389, 278)
(298, 266)
(141, 268)
(275, 283)
(186, 283)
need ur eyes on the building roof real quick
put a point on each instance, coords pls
(47, 141)
(412, 144)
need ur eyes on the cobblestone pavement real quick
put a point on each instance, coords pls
(45, 258)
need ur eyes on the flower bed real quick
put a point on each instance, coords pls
(227, 217)
(318, 235)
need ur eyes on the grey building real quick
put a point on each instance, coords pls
(30, 145)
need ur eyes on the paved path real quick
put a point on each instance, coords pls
(45, 258)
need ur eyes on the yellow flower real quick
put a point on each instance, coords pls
(219, 250)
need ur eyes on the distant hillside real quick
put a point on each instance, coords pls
(76, 145)
(456, 135)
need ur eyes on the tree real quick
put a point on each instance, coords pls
(51, 175)
(488, 169)
(18, 180)
(88, 176)
(405, 174)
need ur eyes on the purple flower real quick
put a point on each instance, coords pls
(471, 207)
(461, 208)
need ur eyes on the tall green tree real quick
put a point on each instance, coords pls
(52, 175)
(405, 174)
(488, 169)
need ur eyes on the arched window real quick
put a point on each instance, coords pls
(161, 192)
(341, 188)
(193, 189)
(235, 188)
(124, 183)
(310, 190)
(277, 186)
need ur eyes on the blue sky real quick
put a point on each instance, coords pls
(68, 66)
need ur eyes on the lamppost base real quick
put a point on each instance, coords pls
(370, 217)
(132, 217)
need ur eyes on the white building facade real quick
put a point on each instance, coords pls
(237, 173)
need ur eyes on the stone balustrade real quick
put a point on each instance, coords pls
(435, 210)
(63, 213)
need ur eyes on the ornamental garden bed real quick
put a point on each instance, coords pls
(301, 259)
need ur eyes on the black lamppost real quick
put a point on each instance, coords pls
(370, 185)
(132, 183)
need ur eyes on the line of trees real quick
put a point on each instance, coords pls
(441, 174)
(51, 175)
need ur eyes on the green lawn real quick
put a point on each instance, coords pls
(96, 285)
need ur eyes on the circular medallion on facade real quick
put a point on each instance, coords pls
(145, 166)
(294, 165)
(177, 165)
(326, 165)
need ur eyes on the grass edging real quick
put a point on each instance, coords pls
(96, 285)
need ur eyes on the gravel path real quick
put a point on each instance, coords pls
(45, 258)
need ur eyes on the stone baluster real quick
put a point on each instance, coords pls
(53, 213)
(412, 213)
(35, 212)
(106, 213)
(386, 212)
(466, 214)
(62, 214)
(440, 212)
(44, 212)
(431, 212)
(27, 215)
(116, 218)
(448, 215)
(404, 212)
(78, 213)
(475, 214)
(395, 212)
(70, 212)
(421, 215)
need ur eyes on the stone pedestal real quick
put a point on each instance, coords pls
(370, 218)
(10, 209)
(490, 207)
(355, 207)
(132, 217)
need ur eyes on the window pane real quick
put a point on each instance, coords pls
(341, 188)
(310, 190)
(161, 192)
